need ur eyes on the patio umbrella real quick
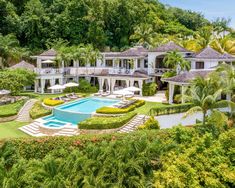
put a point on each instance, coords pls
(56, 87)
(71, 84)
(132, 89)
(48, 61)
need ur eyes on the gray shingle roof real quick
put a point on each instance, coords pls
(170, 46)
(23, 65)
(210, 53)
(50, 52)
(137, 51)
(186, 77)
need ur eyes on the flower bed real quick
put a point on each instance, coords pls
(106, 122)
(51, 102)
(110, 110)
(38, 111)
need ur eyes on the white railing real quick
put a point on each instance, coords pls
(49, 71)
(159, 71)
(121, 71)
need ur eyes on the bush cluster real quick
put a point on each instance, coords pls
(149, 89)
(38, 111)
(11, 109)
(151, 123)
(106, 122)
(110, 110)
(86, 87)
(170, 109)
(51, 102)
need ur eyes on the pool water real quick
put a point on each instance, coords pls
(76, 111)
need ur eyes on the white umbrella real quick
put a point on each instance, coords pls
(132, 89)
(56, 87)
(122, 92)
(48, 61)
(71, 84)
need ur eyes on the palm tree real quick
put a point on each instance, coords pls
(204, 95)
(175, 60)
(143, 34)
(224, 44)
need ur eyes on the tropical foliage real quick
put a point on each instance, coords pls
(38, 111)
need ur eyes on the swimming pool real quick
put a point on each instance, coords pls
(76, 111)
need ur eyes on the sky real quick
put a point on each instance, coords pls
(211, 9)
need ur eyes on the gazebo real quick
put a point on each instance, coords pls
(23, 65)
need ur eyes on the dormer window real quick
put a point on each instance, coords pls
(199, 65)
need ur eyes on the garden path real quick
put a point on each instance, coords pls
(23, 115)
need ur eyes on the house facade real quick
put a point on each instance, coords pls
(116, 70)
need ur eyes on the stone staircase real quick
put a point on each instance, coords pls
(33, 129)
(133, 124)
(23, 115)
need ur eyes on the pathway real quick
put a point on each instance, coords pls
(23, 115)
(158, 97)
(133, 124)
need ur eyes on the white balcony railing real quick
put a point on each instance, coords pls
(121, 71)
(159, 71)
(49, 71)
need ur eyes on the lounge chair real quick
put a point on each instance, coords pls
(99, 93)
(119, 96)
(129, 96)
(65, 99)
(71, 96)
(56, 98)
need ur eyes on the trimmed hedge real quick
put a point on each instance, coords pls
(170, 109)
(151, 123)
(149, 89)
(106, 122)
(51, 102)
(11, 109)
(38, 111)
(110, 110)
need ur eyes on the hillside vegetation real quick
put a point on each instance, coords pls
(179, 157)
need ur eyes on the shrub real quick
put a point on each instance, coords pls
(85, 87)
(151, 123)
(106, 122)
(149, 89)
(38, 111)
(170, 109)
(11, 109)
(51, 102)
(110, 110)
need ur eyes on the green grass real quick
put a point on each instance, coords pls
(10, 130)
(11, 109)
(148, 105)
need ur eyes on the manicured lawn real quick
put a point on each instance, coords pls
(10, 129)
(11, 109)
(148, 105)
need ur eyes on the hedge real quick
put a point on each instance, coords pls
(151, 123)
(38, 111)
(51, 102)
(110, 110)
(106, 122)
(170, 109)
(11, 109)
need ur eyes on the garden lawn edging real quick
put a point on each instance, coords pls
(38, 110)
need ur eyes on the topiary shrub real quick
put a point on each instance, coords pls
(151, 123)
(106, 122)
(51, 102)
(149, 89)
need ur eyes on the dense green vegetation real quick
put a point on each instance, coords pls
(106, 122)
(149, 89)
(11, 109)
(38, 111)
(155, 158)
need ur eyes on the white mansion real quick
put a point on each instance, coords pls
(132, 67)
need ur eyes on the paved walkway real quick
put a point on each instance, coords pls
(158, 97)
(23, 115)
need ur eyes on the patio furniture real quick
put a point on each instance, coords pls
(99, 93)
(105, 94)
(65, 99)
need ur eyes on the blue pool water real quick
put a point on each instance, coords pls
(76, 111)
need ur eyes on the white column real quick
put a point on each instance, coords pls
(135, 63)
(42, 85)
(109, 84)
(35, 86)
(140, 86)
(52, 83)
(171, 93)
(61, 81)
(113, 81)
(100, 80)
(132, 82)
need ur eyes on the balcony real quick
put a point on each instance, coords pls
(49, 71)
(121, 71)
(159, 71)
